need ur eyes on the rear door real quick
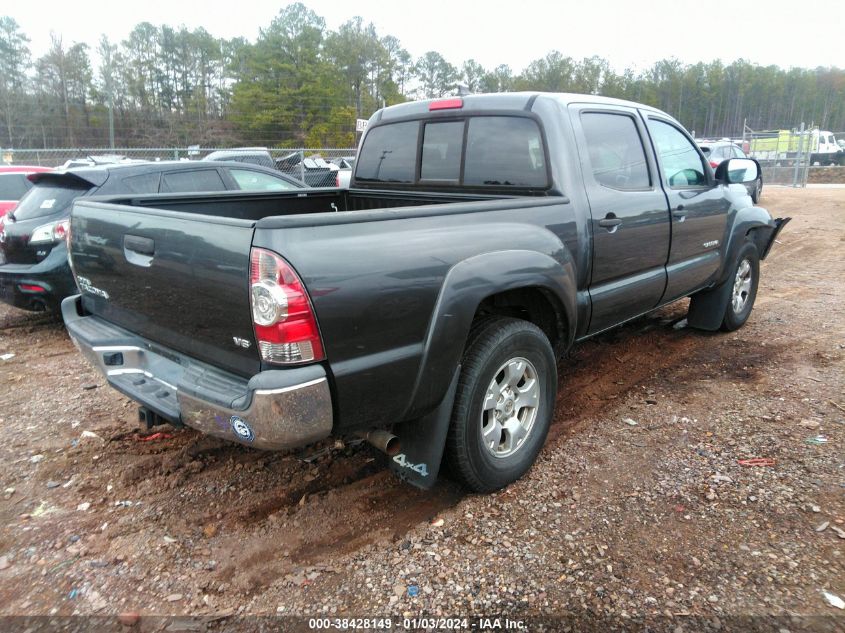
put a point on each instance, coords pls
(698, 205)
(180, 280)
(630, 219)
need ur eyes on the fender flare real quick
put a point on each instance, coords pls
(753, 224)
(466, 285)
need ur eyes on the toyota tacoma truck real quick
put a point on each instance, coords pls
(425, 307)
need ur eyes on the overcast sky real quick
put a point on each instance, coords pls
(514, 32)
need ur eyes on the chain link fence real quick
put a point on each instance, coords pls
(60, 156)
(797, 156)
(787, 157)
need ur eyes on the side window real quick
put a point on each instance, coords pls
(680, 162)
(738, 153)
(249, 180)
(196, 180)
(617, 157)
(143, 183)
(441, 154)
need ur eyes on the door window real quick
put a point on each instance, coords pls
(616, 154)
(142, 183)
(680, 162)
(249, 180)
(196, 180)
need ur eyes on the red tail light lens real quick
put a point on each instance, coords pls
(282, 316)
(61, 230)
(714, 165)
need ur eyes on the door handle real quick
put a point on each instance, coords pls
(138, 250)
(140, 245)
(610, 221)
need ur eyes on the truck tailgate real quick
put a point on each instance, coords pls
(177, 279)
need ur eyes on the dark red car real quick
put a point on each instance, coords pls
(14, 183)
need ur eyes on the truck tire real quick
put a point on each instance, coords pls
(503, 405)
(744, 278)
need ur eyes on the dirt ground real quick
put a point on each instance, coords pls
(826, 175)
(637, 507)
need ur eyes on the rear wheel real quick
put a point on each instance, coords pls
(746, 276)
(503, 406)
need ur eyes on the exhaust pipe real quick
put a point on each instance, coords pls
(385, 441)
(38, 305)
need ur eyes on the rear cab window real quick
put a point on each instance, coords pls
(482, 151)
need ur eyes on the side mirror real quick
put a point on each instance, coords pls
(737, 170)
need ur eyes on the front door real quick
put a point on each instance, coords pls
(629, 216)
(699, 209)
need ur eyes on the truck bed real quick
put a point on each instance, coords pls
(175, 268)
(257, 206)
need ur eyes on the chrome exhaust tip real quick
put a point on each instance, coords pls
(385, 441)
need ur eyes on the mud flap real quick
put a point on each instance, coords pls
(423, 442)
(707, 308)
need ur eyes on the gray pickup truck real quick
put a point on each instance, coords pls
(426, 306)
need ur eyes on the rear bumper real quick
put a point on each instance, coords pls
(53, 276)
(275, 409)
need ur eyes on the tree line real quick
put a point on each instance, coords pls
(299, 83)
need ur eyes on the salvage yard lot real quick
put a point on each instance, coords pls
(637, 505)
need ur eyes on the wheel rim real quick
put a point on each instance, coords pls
(510, 407)
(742, 286)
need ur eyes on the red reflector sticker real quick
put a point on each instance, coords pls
(446, 104)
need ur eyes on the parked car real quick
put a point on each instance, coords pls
(314, 170)
(343, 175)
(34, 272)
(253, 155)
(14, 184)
(102, 159)
(720, 151)
(425, 308)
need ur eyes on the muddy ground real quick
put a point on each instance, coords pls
(637, 506)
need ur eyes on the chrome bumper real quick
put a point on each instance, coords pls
(275, 409)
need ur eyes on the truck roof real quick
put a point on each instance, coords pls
(503, 101)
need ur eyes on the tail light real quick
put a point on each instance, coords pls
(282, 315)
(337, 179)
(713, 164)
(48, 233)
